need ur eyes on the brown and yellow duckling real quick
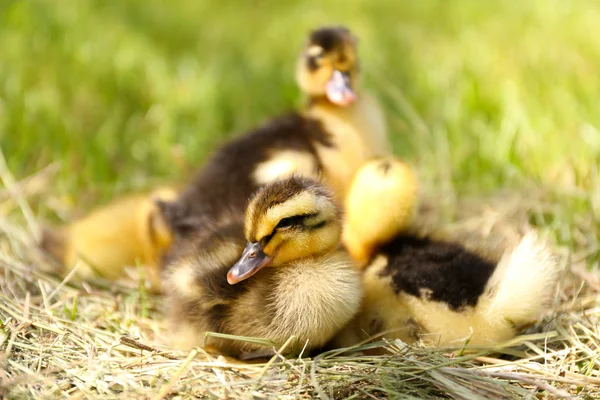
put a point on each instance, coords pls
(282, 273)
(421, 288)
(328, 72)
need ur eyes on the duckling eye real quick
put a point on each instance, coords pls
(289, 221)
(313, 62)
(265, 240)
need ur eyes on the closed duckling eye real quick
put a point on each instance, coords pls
(290, 221)
(296, 220)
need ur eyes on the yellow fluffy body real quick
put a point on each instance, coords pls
(123, 233)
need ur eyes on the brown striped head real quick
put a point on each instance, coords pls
(328, 66)
(287, 220)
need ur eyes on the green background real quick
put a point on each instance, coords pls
(479, 95)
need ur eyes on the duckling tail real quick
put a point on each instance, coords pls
(523, 283)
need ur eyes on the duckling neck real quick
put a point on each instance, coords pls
(321, 100)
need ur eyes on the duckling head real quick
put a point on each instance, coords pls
(381, 203)
(287, 220)
(328, 66)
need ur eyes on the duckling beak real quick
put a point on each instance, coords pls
(338, 89)
(253, 260)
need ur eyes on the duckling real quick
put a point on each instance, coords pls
(424, 288)
(328, 73)
(127, 231)
(339, 130)
(279, 273)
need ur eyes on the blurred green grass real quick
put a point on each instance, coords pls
(480, 95)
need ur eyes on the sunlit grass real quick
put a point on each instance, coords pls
(478, 94)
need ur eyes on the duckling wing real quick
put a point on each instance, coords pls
(437, 271)
(195, 283)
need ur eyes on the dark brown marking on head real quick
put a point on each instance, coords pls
(442, 271)
(331, 38)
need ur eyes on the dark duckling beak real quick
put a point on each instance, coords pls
(338, 89)
(253, 260)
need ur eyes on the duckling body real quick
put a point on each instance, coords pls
(126, 232)
(281, 147)
(290, 278)
(444, 295)
(437, 291)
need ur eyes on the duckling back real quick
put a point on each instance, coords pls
(279, 148)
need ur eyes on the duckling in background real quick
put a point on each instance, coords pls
(340, 129)
(328, 72)
(282, 273)
(419, 287)
(123, 233)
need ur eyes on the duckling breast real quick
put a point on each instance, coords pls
(316, 297)
(310, 299)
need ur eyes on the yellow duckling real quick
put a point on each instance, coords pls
(126, 232)
(280, 274)
(434, 290)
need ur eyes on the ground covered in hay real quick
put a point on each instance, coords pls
(107, 340)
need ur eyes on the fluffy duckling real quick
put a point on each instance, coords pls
(123, 233)
(280, 274)
(328, 72)
(340, 129)
(419, 287)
